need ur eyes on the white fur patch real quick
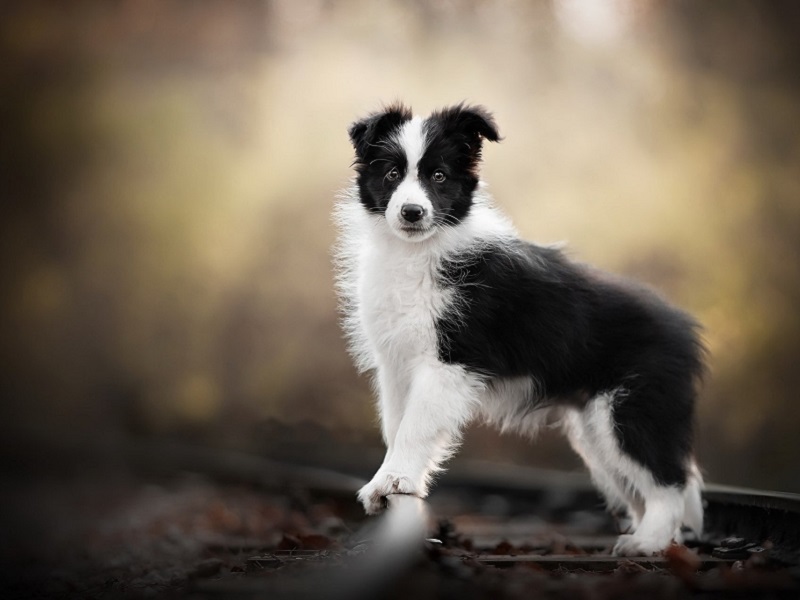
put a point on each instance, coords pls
(411, 138)
(693, 513)
(506, 405)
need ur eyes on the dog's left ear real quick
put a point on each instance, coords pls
(474, 122)
(468, 126)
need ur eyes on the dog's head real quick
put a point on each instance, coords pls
(420, 174)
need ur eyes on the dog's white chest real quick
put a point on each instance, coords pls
(399, 302)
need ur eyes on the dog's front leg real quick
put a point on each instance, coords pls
(392, 390)
(441, 400)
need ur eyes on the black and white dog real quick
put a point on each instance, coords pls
(460, 319)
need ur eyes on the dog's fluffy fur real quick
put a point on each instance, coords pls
(460, 319)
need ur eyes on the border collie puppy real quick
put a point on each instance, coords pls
(459, 319)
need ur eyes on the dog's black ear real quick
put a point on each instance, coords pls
(467, 127)
(366, 132)
(473, 122)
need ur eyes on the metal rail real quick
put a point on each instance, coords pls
(756, 515)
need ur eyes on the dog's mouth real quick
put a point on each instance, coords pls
(414, 229)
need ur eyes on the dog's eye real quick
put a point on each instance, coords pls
(438, 176)
(393, 175)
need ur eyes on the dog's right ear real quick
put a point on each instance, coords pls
(368, 131)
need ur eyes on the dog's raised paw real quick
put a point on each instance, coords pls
(373, 495)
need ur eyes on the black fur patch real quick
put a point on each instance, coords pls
(365, 133)
(375, 155)
(528, 311)
(454, 142)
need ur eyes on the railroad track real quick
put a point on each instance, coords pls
(170, 520)
(501, 531)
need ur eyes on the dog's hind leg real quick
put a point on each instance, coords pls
(583, 435)
(650, 433)
(693, 512)
(660, 525)
(657, 505)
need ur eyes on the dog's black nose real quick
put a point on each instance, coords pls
(412, 212)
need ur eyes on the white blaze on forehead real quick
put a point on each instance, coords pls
(411, 138)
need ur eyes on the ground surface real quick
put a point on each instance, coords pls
(133, 534)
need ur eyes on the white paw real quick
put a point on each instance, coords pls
(633, 545)
(373, 495)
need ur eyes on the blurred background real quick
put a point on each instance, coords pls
(168, 171)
